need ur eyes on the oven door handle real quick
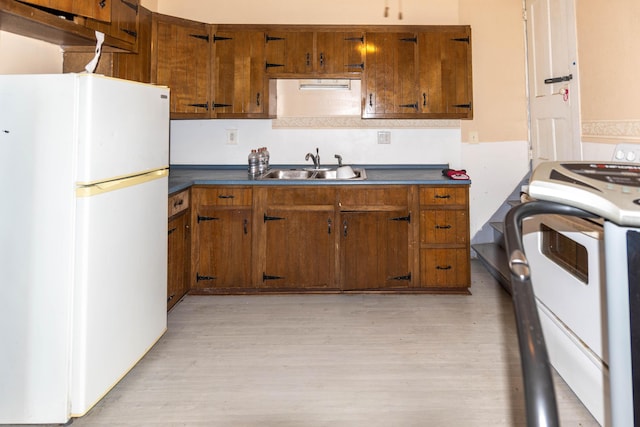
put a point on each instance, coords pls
(540, 398)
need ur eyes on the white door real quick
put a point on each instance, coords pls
(553, 80)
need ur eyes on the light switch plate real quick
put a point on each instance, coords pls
(232, 136)
(384, 137)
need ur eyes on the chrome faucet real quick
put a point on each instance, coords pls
(339, 157)
(316, 158)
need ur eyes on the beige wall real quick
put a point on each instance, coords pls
(499, 85)
(313, 11)
(609, 59)
(497, 33)
(22, 55)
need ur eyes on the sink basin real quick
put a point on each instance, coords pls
(287, 174)
(305, 174)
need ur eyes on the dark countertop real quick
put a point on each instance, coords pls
(183, 176)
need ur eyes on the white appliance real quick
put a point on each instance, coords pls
(83, 248)
(566, 256)
(612, 191)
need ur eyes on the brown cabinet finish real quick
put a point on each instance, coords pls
(375, 231)
(289, 52)
(314, 52)
(178, 248)
(123, 24)
(390, 84)
(97, 9)
(374, 250)
(222, 238)
(123, 65)
(425, 73)
(444, 237)
(339, 53)
(181, 60)
(445, 86)
(298, 238)
(287, 238)
(239, 84)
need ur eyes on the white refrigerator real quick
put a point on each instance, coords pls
(83, 238)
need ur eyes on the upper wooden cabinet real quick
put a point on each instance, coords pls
(180, 59)
(390, 85)
(124, 21)
(421, 74)
(314, 53)
(96, 9)
(239, 84)
(445, 84)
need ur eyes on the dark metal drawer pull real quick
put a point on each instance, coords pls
(446, 196)
(207, 218)
(446, 267)
(199, 277)
(225, 196)
(443, 227)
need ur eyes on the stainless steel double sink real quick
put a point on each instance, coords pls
(311, 174)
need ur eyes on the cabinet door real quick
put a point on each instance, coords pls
(182, 62)
(124, 21)
(289, 52)
(222, 250)
(177, 259)
(445, 73)
(374, 250)
(97, 9)
(239, 78)
(390, 86)
(339, 53)
(299, 248)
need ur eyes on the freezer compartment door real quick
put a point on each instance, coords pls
(123, 128)
(121, 286)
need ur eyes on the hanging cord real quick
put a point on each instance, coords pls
(386, 9)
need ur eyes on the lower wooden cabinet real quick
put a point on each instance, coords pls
(392, 238)
(374, 250)
(178, 248)
(222, 238)
(297, 238)
(444, 237)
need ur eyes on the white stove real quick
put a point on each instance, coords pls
(611, 191)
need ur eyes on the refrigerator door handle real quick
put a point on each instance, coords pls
(119, 183)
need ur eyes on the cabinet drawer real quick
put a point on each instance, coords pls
(301, 196)
(444, 268)
(373, 197)
(449, 195)
(444, 226)
(178, 202)
(222, 196)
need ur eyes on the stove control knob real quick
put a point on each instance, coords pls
(619, 154)
(631, 156)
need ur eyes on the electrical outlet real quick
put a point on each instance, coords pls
(473, 137)
(232, 136)
(384, 137)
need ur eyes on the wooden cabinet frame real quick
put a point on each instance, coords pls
(297, 242)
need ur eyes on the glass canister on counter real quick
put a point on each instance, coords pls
(254, 163)
(258, 161)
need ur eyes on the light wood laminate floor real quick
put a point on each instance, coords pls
(333, 360)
